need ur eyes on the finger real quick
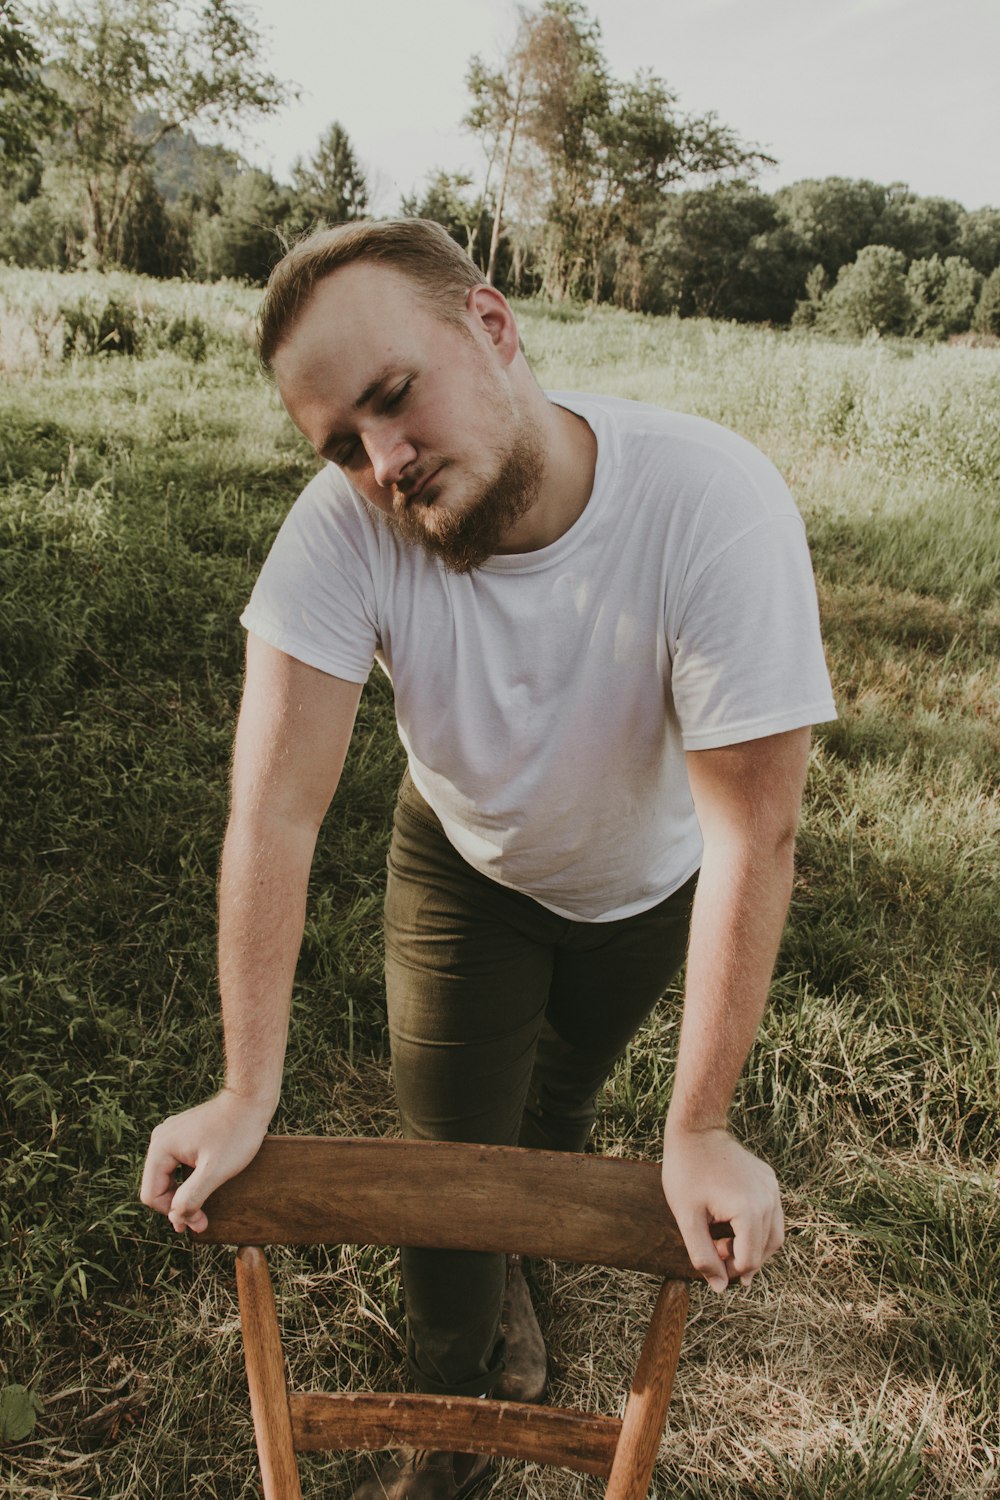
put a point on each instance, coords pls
(186, 1211)
(196, 1221)
(702, 1252)
(724, 1250)
(776, 1233)
(157, 1187)
(749, 1239)
(161, 1202)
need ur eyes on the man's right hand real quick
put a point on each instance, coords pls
(216, 1139)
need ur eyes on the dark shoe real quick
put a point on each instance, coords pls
(526, 1374)
(418, 1474)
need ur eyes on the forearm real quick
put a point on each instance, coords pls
(294, 729)
(262, 901)
(747, 798)
(736, 925)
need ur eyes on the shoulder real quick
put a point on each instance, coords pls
(329, 499)
(696, 464)
(329, 522)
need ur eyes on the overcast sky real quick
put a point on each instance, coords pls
(893, 90)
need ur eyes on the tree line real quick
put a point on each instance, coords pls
(592, 187)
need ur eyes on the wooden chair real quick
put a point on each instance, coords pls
(303, 1190)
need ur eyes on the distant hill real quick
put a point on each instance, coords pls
(183, 166)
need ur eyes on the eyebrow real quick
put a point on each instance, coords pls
(372, 386)
(336, 436)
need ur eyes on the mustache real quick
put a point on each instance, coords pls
(412, 486)
(464, 537)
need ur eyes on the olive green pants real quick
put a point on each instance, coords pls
(504, 1022)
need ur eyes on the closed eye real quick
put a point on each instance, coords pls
(396, 397)
(345, 454)
(351, 451)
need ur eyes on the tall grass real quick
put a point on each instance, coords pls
(139, 494)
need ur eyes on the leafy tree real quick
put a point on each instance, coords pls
(189, 177)
(919, 227)
(243, 239)
(944, 294)
(870, 295)
(776, 263)
(831, 219)
(32, 233)
(589, 159)
(562, 89)
(448, 200)
(808, 309)
(495, 115)
(331, 187)
(29, 108)
(979, 239)
(42, 226)
(153, 241)
(119, 64)
(987, 315)
(710, 256)
(645, 149)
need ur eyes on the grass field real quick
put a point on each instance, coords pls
(138, 496)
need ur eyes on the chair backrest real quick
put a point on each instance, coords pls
(587, 1209)
(433, 1194)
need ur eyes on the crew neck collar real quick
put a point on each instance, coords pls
(590, 409)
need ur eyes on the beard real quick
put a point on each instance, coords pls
(464, 539)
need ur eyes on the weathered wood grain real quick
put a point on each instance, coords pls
(266, 1377)
(646, 1408)
(585, 1209)
(543, 1434)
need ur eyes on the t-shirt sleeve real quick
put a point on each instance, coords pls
(747, 654)
(315, 597)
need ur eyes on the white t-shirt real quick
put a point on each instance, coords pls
(545, 701)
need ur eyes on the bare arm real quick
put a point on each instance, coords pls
(747, 798)
(294, 728)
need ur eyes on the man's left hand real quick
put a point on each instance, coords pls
(709, 1178)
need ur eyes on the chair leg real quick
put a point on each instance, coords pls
(646, 1408)
(272, 1421)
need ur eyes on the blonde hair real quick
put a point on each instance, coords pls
(417, 248)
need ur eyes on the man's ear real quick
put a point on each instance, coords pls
(492, 312)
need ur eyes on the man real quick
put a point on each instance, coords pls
(600, 624)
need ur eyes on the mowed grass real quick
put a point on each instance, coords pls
(139, 495)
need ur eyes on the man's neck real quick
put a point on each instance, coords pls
(567, 479)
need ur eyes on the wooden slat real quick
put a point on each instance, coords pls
(266, 1377)
(542, 1434)
(586, 1209)
(646, 1408)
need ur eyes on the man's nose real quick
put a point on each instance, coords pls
(390, 456)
